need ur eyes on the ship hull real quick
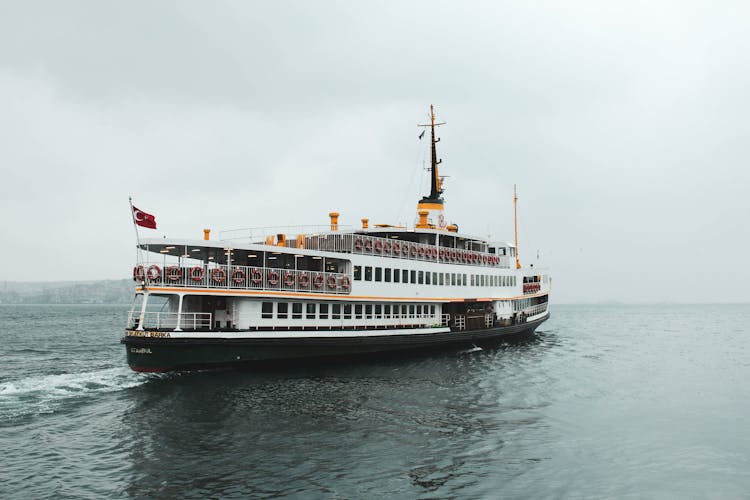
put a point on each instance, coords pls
(161, 354)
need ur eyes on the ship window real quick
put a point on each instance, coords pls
(378, 311)
(421, 277)
(464, 279)
(358, 311)
(453, 279)
(335, 311)
(347, 311)
(441, 277)
(427, 280)
(419, 310)
(404, 276)
(403, 311)
(387, 310)
(267, 310)
(297, 310)
(432, 310)
(310, 310)
(413, 276)
(387, 277)
(357, 273)
(368, 273)
(472, 280)
(323, 311)
(282, 310)
(378, 274)
(411, 311)
(481, 280)
(396, 275)
(434, 278)
(368, 311)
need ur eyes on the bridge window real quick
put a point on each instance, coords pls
(387, 277)
(378, 274)
(357, 273)
(396, 275)
(404, 276)
(421, 277)
(413, 277)
(368, 273)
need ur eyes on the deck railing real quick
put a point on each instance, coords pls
(168, 320)
(243, 278)
(387, 247)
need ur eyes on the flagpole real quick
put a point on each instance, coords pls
(139, 256)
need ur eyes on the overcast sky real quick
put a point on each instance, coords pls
(624, 125)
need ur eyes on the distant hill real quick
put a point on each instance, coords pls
(67, 292)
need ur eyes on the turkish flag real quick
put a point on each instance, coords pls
(143, 219)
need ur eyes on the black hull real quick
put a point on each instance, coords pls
(146, 354)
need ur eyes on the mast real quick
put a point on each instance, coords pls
(515, 223)
(435, 187)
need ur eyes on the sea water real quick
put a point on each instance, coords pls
(603, 401)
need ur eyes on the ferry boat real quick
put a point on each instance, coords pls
(271, 294)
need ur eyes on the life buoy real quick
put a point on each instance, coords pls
(238, 276)
(139, 273)
(378, 246)
(358, 244)
(413, 250)
(304, 280)
(433, 252)
(345, 283)
(153, 273)
(289, 279)
(396, 248)
(331, 281)
(420, 250)
(218, 275)
(387, 246)
(173, 273)
(197, 273)
(368, 245)
(256, 276)
(272, 277)
(318, 281)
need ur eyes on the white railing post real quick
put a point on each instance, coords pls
(143, 312)
(179, 313)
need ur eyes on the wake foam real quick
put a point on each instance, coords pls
(39, 394)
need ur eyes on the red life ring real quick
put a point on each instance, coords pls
(173, 273)
(153, 273)
(218, 275)
(238, 276)
(139, 273)
(387, 247)
(358, 244)
(433, 252)
(304, 280)
(197, 273)
(368, 245)
(345, 283)
(331, 281)
(256, 276)
(420, 251)
(318, 281)
(396, 247)
(378, 246)
(289, 279)
(272, 277)
(413, 250)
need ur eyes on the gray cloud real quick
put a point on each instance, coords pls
(623, 125)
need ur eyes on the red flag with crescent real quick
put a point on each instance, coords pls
(143, 219)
